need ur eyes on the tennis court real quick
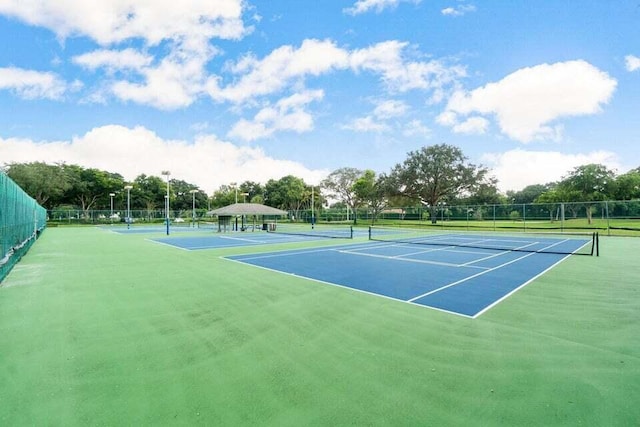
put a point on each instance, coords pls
(283, 234)
(460, 274)
(106, 328)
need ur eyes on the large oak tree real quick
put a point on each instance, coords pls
(437, 173)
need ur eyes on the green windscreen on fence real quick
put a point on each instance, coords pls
(21, 221)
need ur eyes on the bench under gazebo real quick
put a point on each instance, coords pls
(226, 214)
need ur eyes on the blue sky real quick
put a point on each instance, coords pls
(231, 90)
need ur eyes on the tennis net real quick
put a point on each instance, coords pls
(328, 231)
(552, 243)
(208, 225)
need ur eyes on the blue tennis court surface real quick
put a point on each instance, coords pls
(460, 280)
(227, 240)
(151, 229)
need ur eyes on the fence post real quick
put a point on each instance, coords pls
(494, 217)
(606, 208)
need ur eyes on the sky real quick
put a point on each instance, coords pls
(222, 91)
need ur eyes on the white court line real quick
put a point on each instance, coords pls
(167, 244)
(242, 239)
(417, 261)
(442, 310)
(481, 273)
(496, 302)
(289, 252)
(499, 254)
(423, 251)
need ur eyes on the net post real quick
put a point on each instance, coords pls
(351, 232)
(370, 232)
(597, 244)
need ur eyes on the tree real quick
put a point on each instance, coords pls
(528, 194)
(47, 184)
(254, 191)
(89, 186)
(287, 193)
(628, 185)
(485, 193)
(435, 173)
(372, 191)
(340, 183)
(148, 192)
(588, 183)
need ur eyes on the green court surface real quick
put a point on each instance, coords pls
(99, 328)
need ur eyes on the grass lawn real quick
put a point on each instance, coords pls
(99, 328)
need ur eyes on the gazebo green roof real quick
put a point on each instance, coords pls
(246, 209)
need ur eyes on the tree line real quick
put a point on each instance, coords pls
(428, 177)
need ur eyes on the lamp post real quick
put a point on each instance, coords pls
(166, 205)
(128, 188)
(193, 206)
(111, 195)
(244, 197)
(313, 220)
(235, 187)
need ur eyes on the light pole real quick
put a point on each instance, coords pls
(244, 197)
(313, 220)
(111, 195)
(193, 206)
(128, 188)
(235, 187)
(166, 205)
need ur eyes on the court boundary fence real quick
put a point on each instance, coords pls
(22, 220)
(609, 217)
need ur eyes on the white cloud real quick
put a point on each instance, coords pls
(390, 108)
(175, 83)
(519, 168)
(277, 70)
(288, 65)
(447, 118)
(632, 63)
(459, 10)
(177, 75)
(399, 74)
(113, 60)
(31, 84)
(186, 26)
(366, 124)
(416, 128)
(377, 120)
(205, 161)
(199, 126)
(473, 125)
(286, 115)
(527, 102)
(109, 22)
(364, 6)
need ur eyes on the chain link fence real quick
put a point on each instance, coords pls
(620, 217)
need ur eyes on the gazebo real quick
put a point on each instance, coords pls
(226, 213)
